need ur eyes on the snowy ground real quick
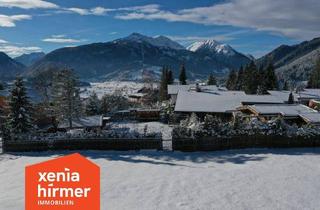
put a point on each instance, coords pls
(238, 179)
(124, 88)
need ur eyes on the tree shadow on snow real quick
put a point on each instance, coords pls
(176, 158)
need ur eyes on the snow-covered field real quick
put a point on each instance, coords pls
(238, 179)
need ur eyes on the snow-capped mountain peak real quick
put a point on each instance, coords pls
(159, 41)
(212, 45)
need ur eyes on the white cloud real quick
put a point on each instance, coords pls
(14, 51)
(58, 36)
(2, 41)
(70, 46)
(9, 21)
(78, 10)
(292, 18)
(28, 4)
(149, 8)
(98, 11)
(113, 33)
(62, 39)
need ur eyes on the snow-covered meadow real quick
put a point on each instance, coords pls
(235, 179)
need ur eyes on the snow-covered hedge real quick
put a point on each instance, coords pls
(192, 127)
(83, 134)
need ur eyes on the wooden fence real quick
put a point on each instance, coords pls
(81, 144)
(238, 142)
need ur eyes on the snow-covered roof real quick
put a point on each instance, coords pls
(309, 94)
(305, 94)
(313, 118)
(174, 89)
(287, 110)
(205, 102)
(314, 92)
(283, 95)
(219, 101)
(83, 122)
(261, 99)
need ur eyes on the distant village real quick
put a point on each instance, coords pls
(250, 101)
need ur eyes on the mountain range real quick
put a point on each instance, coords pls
(131, 57)
(128, 58)
(294, 62)
(29, 59)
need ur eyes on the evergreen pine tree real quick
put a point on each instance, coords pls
(211, 80)
(164, 84)
(251, 81)
(271, 79)
(240, 79)
(66, 96)
(42, 84)
(286, 86)
(314, 80)
(231, 83)
(183, 75)
(92, 107)
(247, 79)
(19, 120)
(291, 98)
(170, 78)
(261, 85)
(104, 106)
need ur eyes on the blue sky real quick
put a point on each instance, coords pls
(250, 26)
